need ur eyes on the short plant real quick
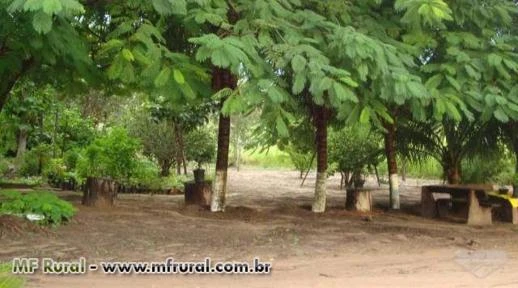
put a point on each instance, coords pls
(7, 279)
(200, 146)
(47, 204)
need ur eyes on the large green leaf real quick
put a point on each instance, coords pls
(42, 22)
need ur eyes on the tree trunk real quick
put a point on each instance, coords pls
(390, 153)
(165, 168)
(179, 152)
(320, 122)
(99, 192)
(454, 173)
(6, 85)
(222, 78)
(21, 140)
(55, 135)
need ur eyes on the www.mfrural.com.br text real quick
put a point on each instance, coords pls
(50, 266)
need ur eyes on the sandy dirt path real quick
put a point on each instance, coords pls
(436, 268)
(268, 216)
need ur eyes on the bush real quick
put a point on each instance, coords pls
(353, 150)
(200, 146)
(300, 159)
(70, 159)
(497, 167)
(55, 210)
(4, 166)
(146, 174)
(113, 155)
(34, 161)
(55, 172)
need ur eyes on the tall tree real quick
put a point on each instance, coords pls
(38, 37)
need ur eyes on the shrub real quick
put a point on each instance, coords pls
(113, 155)
(353, 150)
(146, 174)
(494, 167)
(70, 159)
(200, 146)
(55, 172)
(55, 210)
(34, 161)
(300, 159)
(4, 166)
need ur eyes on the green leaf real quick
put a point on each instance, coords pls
(52, 6)
(127, 55)
(42, 22)
(168, 7)
(15, 6)
(275, 94)
(494, 59)
(500, 115)
(220, 59)
(179, 6)
(453, 112)
(365, 115)
(299, 83)
(178, 76)
(344, 93)
(281, 127)
(453, 82)
(363, 71)
(434, 82)
(298, 63)
(33, 5)
(472, 73)
(163, 77)
(349, 81)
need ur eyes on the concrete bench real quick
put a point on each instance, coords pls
(478, 208)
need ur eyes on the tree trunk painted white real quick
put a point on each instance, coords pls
(219, 192)
(320, 117)
(394, 191)
(319, 203)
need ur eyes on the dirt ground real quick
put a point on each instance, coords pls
(269, 217)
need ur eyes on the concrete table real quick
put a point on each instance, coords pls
(478, 207)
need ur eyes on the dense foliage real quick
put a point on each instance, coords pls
(126, 89)
(356, 151)
(54, 210)
(200, 146)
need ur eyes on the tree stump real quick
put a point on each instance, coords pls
(99, 192)
(358, 200)
(198, 193)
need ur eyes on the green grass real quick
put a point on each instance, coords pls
(8, 280)
(271, 158)
(426, 169)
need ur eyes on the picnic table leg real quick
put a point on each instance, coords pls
(478, 215)
(514, 214)
(428, 206)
